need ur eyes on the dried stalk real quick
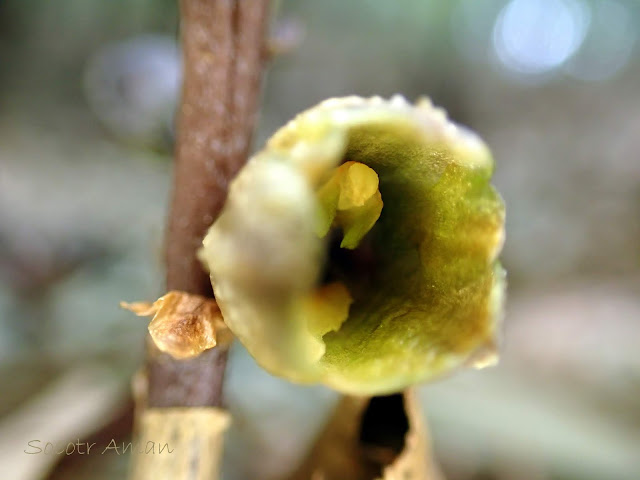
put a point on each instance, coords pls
(382, 438)
(182, 443)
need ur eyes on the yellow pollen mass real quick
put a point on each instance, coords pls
(350, 199)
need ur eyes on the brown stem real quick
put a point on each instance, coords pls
(223, 43)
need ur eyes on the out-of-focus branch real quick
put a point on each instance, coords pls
(224, 48)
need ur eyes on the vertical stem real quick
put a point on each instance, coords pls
(223, 44)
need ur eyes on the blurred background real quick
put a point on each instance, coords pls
(87, 92)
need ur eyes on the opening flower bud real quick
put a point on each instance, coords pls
(359, 248)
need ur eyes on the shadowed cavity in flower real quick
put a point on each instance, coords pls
(359, 247)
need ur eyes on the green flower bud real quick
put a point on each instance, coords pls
(358, 248)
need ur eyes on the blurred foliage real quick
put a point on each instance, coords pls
(82, 218)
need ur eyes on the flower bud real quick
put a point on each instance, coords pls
(358, 248)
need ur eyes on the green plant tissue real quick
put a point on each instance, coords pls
(326, 278)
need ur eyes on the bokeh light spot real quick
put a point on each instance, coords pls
(608, 44)
(535, 37)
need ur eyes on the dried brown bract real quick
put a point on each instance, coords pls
(184, 325)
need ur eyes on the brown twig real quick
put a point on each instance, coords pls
(223, 44)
